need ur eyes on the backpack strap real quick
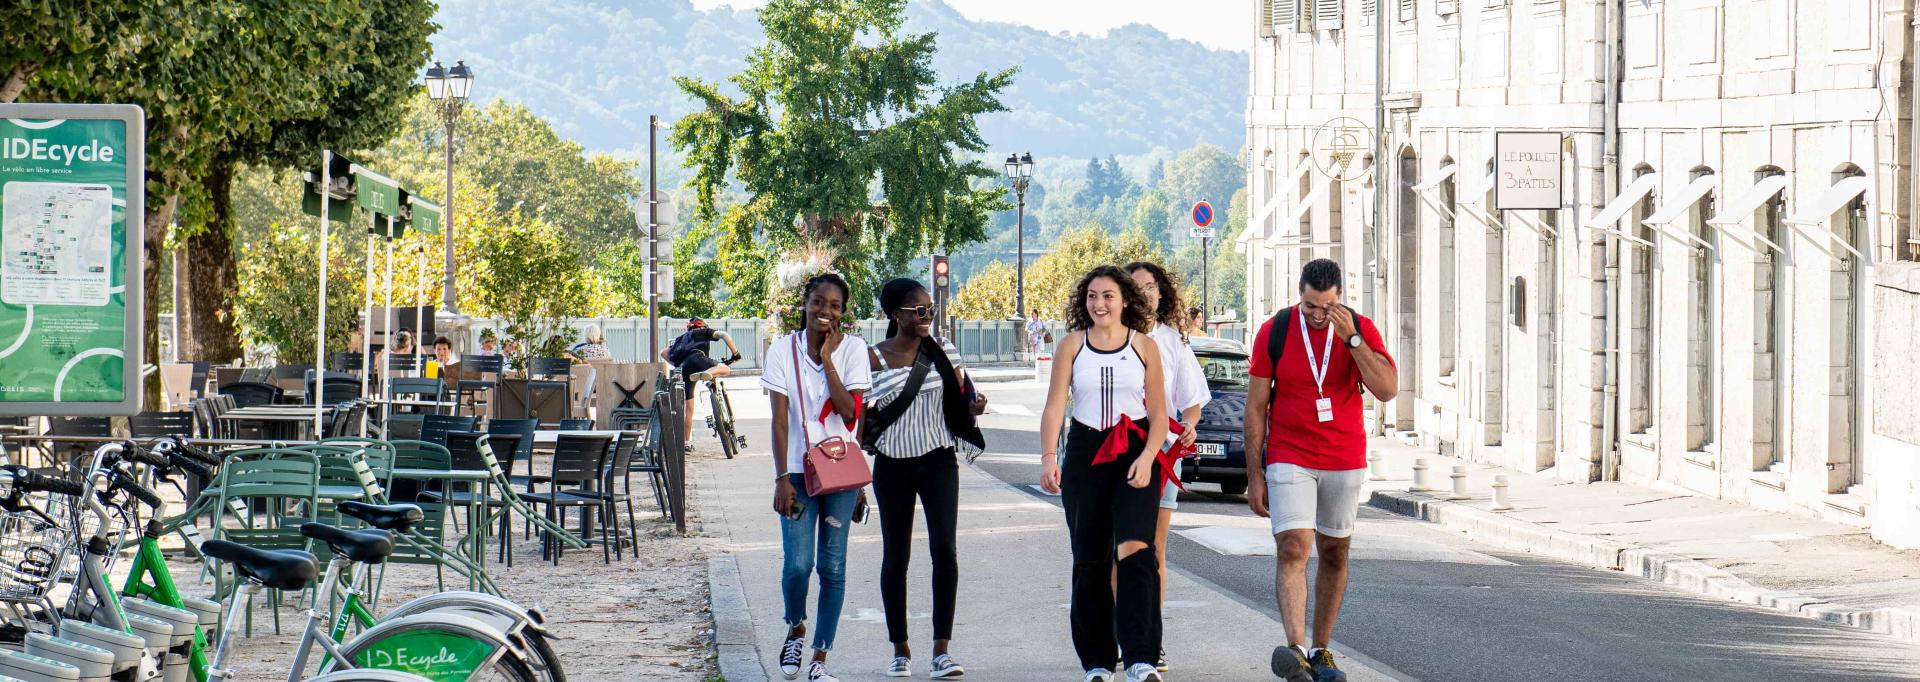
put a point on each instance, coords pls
(1276, 342)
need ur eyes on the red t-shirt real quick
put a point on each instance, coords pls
(1295, 434)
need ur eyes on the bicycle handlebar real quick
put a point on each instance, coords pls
(193, 452)
(125, 482)
(25, 480)
(187, 464)
(141, 455)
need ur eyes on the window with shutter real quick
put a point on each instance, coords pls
(1285, 14)
(1266, 18)
(1496, 4)
(1326, 14)
(1406, 10)
(1367, 11)
(1446, 7)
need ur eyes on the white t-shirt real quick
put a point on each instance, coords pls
(1186, 382)
(778, 376)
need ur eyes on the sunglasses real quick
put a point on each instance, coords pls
(924, 312)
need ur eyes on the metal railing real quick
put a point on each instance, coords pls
(979, 342)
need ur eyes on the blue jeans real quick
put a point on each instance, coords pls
(818, 539)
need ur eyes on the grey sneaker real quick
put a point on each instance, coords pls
(1143, 672)
(901, 667)
(698, 377)
(1290, 664)
(1098, 675)
(944, 668)
(790, 657)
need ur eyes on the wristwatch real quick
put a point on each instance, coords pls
(1354, 341)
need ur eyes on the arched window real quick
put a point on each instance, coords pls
(1770, 328)
(1640, 346)
(1406, 279)
(1449, 330)
(1702, 353)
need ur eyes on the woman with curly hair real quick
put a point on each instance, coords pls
(1186, 394)
(815, 377)
(1109, 481)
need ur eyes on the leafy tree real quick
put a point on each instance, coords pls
(275, 304)
(1150, 216)
(988, 295)
(1105, 180)
(1203, 172)
(357, 111)
(525, 274)
(837, 101)
(1050, 280)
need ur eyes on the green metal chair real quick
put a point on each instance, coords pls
(285, 487)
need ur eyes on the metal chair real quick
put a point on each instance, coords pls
(435, 427)
(413, 454)
(649, 459)
(405, 427)
(158, 424)
(576, 425)
(252, 393)
(335, 387)
(348, 361)
(578, 460)
(610, 498)
(415, 388)
(467, 391)
(550, 375)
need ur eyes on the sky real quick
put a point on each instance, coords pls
(1220, 24)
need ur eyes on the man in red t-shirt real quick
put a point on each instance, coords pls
(1315, 460)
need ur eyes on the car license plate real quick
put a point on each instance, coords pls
(1211, 450)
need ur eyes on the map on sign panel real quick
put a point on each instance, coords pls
(56, 244)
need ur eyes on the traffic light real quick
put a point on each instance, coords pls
(941, 287)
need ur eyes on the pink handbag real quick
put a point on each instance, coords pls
(832, 465)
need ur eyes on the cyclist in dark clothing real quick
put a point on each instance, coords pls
(688, 352)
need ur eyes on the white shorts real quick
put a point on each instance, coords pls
(1326, 501)
(1170, 494)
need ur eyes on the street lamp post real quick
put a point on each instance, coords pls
(1020, 171)
(448, 89)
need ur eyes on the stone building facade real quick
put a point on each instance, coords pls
(1724, 304)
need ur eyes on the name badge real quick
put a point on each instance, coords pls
(1325, 407)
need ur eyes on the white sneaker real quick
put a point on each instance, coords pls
(1098, 675)
(1143, 672)
(817, 672)
(901, 667)
(790, 657)
(944, 668)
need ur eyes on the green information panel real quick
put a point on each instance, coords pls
(72, 201)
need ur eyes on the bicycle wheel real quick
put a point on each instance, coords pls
(369, 675)
(544, 658)
(722, 418)
(441, 647)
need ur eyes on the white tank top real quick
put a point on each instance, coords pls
(1108, 385)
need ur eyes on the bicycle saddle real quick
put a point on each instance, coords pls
(398, 518)
(362, 546)
(279, 569)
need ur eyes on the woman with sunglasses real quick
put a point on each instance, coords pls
(920, 412)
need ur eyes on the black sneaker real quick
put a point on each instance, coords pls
(790, 657)
(1160, 663)
(1323, 668)
(1290, 664)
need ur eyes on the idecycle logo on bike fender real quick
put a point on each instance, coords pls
(436, 655)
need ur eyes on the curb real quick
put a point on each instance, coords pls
(739, 657)
(1663, 567)
(737, 654)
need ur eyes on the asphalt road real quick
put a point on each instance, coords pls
(1428, 604)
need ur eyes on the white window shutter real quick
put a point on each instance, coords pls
(1446, 7)
(1496, 4)
(1286, 13)
(1266, 18)
(1406, 10)
(1326, 14)
(1367, 11)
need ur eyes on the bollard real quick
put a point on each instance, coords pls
(1420, 482)
(1502, 500)
(1376, 467)
(1459, 482)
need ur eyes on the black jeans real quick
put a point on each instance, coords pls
(935, 479)
(1103, 512)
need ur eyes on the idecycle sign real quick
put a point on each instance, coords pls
(72, 204)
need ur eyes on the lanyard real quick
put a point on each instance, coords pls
(1318, 367)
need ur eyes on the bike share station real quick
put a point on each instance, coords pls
(86, 591)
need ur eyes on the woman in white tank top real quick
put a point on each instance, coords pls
(1109, 478)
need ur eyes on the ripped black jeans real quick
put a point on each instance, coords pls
(1103, 512)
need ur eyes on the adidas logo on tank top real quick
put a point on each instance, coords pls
(1108, 385)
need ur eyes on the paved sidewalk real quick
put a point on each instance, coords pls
(1712, 547)
(1012, 620)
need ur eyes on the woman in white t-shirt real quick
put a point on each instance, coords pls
(1186, 393)
(824, 389)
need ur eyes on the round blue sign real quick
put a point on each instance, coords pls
(1202, 214)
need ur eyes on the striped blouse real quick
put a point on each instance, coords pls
(923, 428)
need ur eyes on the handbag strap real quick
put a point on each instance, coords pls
(800, 389)
(916, 378)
